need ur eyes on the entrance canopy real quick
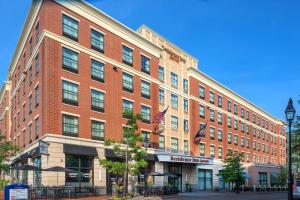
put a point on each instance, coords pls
(183, 159)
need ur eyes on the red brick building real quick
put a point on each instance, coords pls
(75, 71)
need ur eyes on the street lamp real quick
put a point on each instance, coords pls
(146, 144)
(290, 116)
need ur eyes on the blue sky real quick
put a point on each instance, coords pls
(250, 46)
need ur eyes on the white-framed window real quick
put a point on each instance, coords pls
(127, 55)
(174, 122)
(174, 101)
(69, 93)
(127, 82)
(70, 27)
(97, 71)
(161, 95)
(70, 125)
(70, 60)
(127, 108)
(146, 91)
(145, 64)
(97, 129)
(174, 79)
(145, 112)
(97, 100)
(174, 144)
(97, 41)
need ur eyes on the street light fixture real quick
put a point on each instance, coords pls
(290, 116)
(146, 144)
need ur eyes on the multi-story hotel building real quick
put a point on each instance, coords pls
(76, 69)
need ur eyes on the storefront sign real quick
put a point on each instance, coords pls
(183, 159)
(43, 146)
(174, 56)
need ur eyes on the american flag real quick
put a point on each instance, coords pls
(200, 134)
(159, 116)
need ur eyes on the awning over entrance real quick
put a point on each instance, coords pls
(109, 153)
(80, 150)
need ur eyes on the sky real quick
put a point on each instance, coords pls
(250, 46)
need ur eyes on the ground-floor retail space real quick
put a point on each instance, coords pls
(79, 166)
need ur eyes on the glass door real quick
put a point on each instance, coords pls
(205, 179)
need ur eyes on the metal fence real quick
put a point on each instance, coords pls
(43, 193)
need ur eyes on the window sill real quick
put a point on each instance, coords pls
(67, 68)
(70, 134)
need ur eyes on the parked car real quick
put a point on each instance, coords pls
(296, 190)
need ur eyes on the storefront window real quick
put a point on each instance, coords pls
(82, 167)
(37, 174)
(262, 178)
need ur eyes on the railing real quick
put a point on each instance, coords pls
(157, 190)
(40, 193)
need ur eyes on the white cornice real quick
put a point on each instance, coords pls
(93, 14)
(231, 94)
(29, 22)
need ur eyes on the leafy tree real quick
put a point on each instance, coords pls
(6, 149)
(131, 153)
(233, 170)
(283, 174)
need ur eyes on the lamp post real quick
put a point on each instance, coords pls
(290, 116)
(146, 144)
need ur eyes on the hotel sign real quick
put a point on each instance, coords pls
(174, 56)
(183, 159)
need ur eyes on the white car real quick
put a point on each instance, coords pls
(296, 190)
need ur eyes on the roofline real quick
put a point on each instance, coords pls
(239, 97)
(97, 11)
(168, 41)
(29, 21)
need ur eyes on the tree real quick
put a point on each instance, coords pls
(282, 177)
(6, 149)
(133, 157)
(233, 170)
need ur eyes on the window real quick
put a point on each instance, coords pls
(97, 100)
(161, 95)
(201, 92)
(229, 138)
(186, 125)
(145, 112)
(174, 144)
(235, 124)
(258, 121)
(248, 143)
(97, 41)
(70, 60)
(37, 96)
(242, 112)
(37, 128)
(212, 151)
(235, 109)
(30, 133)
(30, 75)
(145, 86)
(219, 118)
(145, 64)
(212, 115)
(220, 135)
(242, 127)
(19, 119)
(185, 105)
(202, 149)
(24, 137)
(220, 152)
(127, 82)
(127, 108)
(186, 146)
(185, 86)
(247, 115)
(212, 133)
(254, 118)
(229, 122)
(127, 55)
(97, 129)
(30, 104)
(24, 112)
(30, 46)
(70, 93)
(97, 71)
(70, 125)
(242, 141)
(174, 80)
(212, 97)
(202, 111)
(254, 132)
(174, 101)
(161, 73)
(81, 169)
(220, 101)
(174, 122)
(247, 129)
(37, 64)
(254, 145)
(70, 27)
(37, 33)
(229, 106)
(24, 85)
(235, 139)
(162, 142)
